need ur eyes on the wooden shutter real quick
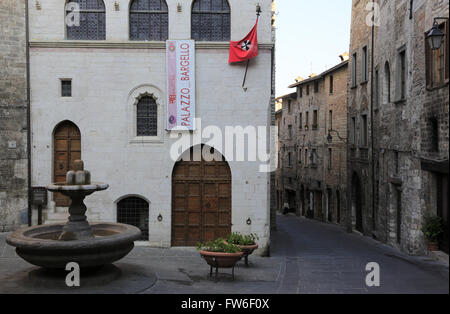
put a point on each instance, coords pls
(428, 63)
(446, 53)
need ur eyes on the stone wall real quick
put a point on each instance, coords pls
(106, 80)
(402, 191)
(13, 122)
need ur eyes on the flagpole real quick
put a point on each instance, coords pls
(245, 76)
(258, 13)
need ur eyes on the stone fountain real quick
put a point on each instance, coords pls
(89, 245)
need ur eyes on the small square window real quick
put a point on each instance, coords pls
(66, 88)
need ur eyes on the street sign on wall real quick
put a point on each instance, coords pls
(180, 56)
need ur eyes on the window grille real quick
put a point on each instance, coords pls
(134, 211)
(92, 24)
(210, 20)
(147, 117)
(66, 88)
(149, 20)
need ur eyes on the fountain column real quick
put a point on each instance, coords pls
(77, 228)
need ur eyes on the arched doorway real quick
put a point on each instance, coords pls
(66, 149)
(201, 199)
(134, 211)
(357, 203)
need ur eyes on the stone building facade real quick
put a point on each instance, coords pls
(398, 123)
(313, 124)
(359, 118)
(13, 116)
(87, 91)
(286, 176)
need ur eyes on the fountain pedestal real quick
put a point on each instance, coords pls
(53, 246)
(77, 226)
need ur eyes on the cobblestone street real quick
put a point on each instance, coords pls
(307, 257)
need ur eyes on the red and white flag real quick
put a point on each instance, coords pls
(246, 48)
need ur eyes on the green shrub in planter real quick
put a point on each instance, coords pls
(218, 246)
(432, 228)
(239, 239)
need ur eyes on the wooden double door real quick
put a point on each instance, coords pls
(67, 149)
(201, 202)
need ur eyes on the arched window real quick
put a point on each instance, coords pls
(134, 211)
(149, 20)
(147, 117)
(387, 84)
(210, 20)
(92, 24)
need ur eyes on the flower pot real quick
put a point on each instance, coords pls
(221, 260)
(247, 250)
(433, 246)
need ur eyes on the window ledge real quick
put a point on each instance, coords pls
(434, 88)
(400, 101)
(130, 44)
(364, 82)
(147, 140)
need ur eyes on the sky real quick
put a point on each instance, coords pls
(311, 34)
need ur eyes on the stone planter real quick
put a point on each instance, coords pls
(221, 260)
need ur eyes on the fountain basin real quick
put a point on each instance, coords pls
(40, 246)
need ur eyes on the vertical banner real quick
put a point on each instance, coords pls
(180, 84)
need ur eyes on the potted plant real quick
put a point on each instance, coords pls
(220, 254)
(247, 243)
(432, 229)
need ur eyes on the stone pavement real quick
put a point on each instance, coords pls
(307, 257)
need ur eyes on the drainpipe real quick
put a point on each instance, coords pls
(372, 119)
(30, 211)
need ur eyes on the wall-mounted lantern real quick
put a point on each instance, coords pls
(179, 8)
(249, 221)
(436, 36)
(116, 6)
(160, 218)
(38, 5)
(330, 137)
